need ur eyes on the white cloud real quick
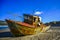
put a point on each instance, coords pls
(38, 12)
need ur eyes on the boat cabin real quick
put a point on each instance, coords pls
(32, 20)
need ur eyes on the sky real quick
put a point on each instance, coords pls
(12, 9)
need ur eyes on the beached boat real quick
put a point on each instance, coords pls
(30, 25)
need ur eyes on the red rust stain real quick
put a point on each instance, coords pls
(22, 23)
(25, 24)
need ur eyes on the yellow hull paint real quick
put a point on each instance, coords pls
(28, 31)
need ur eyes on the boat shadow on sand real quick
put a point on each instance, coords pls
(8, 34)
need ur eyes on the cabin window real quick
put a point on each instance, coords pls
(28, 19)
(38, 20)
(34, 19)
(25, 17)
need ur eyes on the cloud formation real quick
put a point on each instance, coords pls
(38, 12)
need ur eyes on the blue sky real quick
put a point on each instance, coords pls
(50, 9)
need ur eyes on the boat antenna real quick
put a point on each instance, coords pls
(33, 12)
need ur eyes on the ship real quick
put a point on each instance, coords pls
(30, 26)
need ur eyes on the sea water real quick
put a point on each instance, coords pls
(6, 32)
(3, 27)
